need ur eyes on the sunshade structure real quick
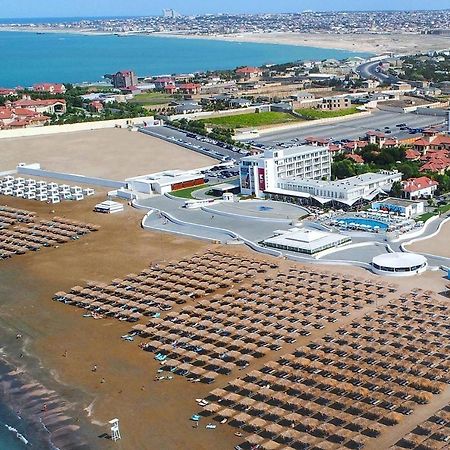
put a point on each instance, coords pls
(22, 233)
(157, 290)
(345, 389)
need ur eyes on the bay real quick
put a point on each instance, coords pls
(28, 57)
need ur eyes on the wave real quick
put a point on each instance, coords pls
(19, 436)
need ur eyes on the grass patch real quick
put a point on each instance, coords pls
(251, 120)
(313, 114)
(152, 98)
(187, 192)
(440, 210)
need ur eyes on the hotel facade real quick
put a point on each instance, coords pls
(260, 173)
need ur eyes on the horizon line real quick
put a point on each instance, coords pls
(225, 13)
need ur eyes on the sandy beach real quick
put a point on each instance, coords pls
(118, 154)
(377, 43)
(154, 415)
(437, 245)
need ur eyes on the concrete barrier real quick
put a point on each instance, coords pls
(75, 127)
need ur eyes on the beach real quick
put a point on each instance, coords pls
(436, 245)
(375, 43)
(153, 415)
(118, 154)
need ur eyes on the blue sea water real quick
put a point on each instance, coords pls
(28, 58)
(8, 439)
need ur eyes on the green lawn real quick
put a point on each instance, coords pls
(251, 120)
(187, 193)
(440, 210)
(313, 114)
(152, 98)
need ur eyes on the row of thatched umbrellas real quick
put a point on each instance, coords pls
(432, 433)
(158, 288)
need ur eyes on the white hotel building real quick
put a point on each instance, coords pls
(301, 174)
(261, 173)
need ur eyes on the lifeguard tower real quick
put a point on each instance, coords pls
(115, 431)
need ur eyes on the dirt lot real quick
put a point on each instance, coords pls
(114, 154)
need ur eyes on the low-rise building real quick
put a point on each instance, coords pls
(400, 206)
(51, 88)
(249, 73)
(346, 192)
(422, 187)
(47, 106)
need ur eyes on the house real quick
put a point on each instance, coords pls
(334, 103)
(20, 118)
(47, 106)
(190, 88)
(422, 187)
(432, 140)
(370, 84)
(317, 141)
(248, 73)
(51, 88)
(412, 155)
(437, 161)
(96, 106)
(376, 137)
(239, 102)
(124, 79)
(357, 159)
(188, 108)
(7, 92)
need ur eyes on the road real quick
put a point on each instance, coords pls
(354, 128)
(370, 70)
(211, 149)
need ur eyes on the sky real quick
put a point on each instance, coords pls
(88, 8)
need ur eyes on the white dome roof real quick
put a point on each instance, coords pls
(399, 260)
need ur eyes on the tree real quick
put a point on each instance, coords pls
(343, 169)
(396, 190)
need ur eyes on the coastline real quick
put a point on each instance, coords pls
(374, 43)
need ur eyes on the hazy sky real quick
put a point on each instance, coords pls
(77, 8)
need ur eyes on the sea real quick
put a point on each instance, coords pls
(29, 57)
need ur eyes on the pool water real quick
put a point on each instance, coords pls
(368, 222)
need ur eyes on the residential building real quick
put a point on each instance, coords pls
(403, 207)
(190, 88)
(334, 103)
(47, 106)
(260, 173)
(422, 187)
(124, 79)
(51, 88)
(188, 108)
(249, 73)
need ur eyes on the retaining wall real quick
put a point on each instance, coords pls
(74, 178)
(70, 128)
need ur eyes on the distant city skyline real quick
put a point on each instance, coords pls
(102, 8)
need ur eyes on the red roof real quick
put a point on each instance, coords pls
(189, 86)
(317, 139)
(248, 70)
(334, 148)
(416, 184)
(358, 159)
(37, 103)
(421, 142)
(441, 140)
(412, 154)
(376, 133)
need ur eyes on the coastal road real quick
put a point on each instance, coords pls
(370, 70)
(354, 128)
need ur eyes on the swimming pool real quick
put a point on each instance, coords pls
(366, 222)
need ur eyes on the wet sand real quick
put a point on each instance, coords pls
(437, 245)
(113, 153)
(153, 415)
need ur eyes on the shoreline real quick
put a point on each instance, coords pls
(372, 43)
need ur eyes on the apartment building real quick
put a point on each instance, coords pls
(124, 79)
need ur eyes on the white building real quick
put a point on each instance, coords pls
(260, 173)
(346, 192)
(165, 182)
(306, 241)
(399, 264)
(402, 207)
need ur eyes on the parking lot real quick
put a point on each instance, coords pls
(199, 143)
(355, 128)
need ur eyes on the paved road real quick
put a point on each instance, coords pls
(212, 150)
(355, 128)
(369, 71)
